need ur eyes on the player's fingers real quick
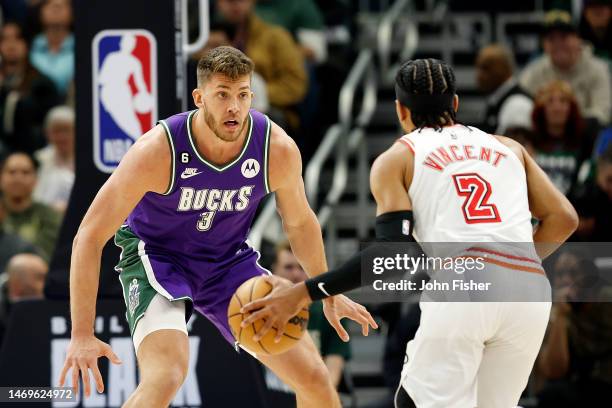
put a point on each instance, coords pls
(280, 329)
(253, 317)
(98, 379)
(269, 278)
(85, 375)
(371, 320)
(340, 329)
(254, 305)
(75, 378)
(362, 320)
(264, 329)
(110, 354)
(65, 369)
(365, 327)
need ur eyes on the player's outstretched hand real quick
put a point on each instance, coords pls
(82, 355)
(284, 301)
(339, 307)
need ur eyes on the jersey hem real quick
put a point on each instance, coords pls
(267, 155)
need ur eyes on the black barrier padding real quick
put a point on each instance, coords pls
(90, 18)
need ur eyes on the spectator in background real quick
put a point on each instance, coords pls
(508, 105)
(334, 351)
(562, 140)
(576, 356)
(24, 279)
(276, 56)
(25, 94)
(56, 171)
(10, 244)
(593, 202)
(53, 50)
(524, 136)
(301, 18)
(34, 222)
(596, 27)
(568, 59)
(220, 34)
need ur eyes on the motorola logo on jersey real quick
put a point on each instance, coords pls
(250, 168)
(124, 92)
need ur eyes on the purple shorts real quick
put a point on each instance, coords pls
(209, 286)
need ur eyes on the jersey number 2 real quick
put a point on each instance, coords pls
(476, 191)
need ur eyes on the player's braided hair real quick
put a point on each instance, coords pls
(433, 79)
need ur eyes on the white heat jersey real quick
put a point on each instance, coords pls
(467, 187)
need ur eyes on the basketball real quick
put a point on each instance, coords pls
(252, 289)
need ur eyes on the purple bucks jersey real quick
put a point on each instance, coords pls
(207, 211)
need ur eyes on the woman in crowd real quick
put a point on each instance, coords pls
(563, 140)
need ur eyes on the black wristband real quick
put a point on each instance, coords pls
(390, 227)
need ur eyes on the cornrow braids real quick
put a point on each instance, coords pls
(427, 87)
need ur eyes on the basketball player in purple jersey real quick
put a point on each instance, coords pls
(180, 205)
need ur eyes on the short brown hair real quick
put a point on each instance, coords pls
(575, 126)
(228, 61)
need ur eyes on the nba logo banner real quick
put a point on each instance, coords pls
(124, 92)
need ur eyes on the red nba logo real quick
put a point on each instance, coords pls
(124, 92)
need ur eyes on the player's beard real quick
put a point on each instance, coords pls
(215, 126)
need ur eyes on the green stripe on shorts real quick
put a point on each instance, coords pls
(137, 291)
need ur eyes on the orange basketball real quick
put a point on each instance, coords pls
(256, 288)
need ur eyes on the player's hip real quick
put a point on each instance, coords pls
(488, 278)
(205, 259)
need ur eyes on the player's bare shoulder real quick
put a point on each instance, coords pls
(390, 178)
(513, 145)
(148, 162)
(285, 161)
(395, 162)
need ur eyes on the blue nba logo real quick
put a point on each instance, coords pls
(124, 92)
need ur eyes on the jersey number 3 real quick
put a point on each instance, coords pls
(476, 191)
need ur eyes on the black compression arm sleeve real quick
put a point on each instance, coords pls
(390, 227)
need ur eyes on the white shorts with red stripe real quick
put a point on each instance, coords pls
(479, 354)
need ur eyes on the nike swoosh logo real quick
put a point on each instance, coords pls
(186, 176)
(322, 289)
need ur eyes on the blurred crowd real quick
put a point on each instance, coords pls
(558, 106)
(37, 133)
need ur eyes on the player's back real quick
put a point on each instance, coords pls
(467, 186)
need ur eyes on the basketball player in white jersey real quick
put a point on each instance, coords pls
(445, 182)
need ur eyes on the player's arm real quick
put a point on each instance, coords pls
(299, 221)
(304, 233)
(389, 178)
(556, 215)
(145, 167)
(335, 366)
